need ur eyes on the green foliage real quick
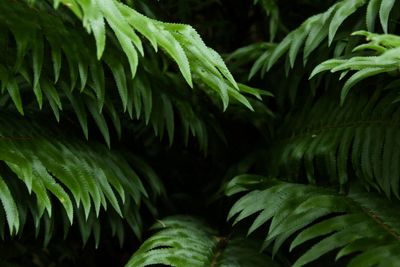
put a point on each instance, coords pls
(166, 125)
(82, 80)
(313, 32)
(355, 222)
(341, 140)
(357, 139)
(83, 177)
(186, 241)
(386, 61)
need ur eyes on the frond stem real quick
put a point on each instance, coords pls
(380, 221)
(219, 247)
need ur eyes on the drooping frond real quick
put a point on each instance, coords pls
(181, 42)
(47, 52)
(357, 222)
(386, 59)
(316, 29)
(83, 177)
(358, 140)
(187, 241)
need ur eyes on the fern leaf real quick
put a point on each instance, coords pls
(365, 66)
(82, 177)
(120, 78)
(312, 32)
(54, 188)
(41, 42)
(299, 38)
(37, 57)
(326, 65)
(350, 138)
(279, 51)
(352, 217)
(317, 33)
(94, 21)
(184, 241)
(9, 206)
(13, 90)
(358, 76)
(384, 11)
(343, 11)
(372, 12)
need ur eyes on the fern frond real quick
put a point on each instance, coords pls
(187, 241)
(387, 60)
(62, 73)
(357, 222)
(10, 207)
(82, 177)
(314, 31)
(181, 42)
(354, 141)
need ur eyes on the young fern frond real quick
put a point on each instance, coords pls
(385, 60)
(187, 241)
(314, 31)
(81, 176)
(355, 141)
(357, 222)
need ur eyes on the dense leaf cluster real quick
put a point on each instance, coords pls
(281, 149)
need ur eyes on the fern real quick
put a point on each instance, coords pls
(83, 178)
(41, 51)
(313, 31)
(349, 139)
(180, 41)
(117, 70)
(387, 60)
(355, 222)
(187, 241)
